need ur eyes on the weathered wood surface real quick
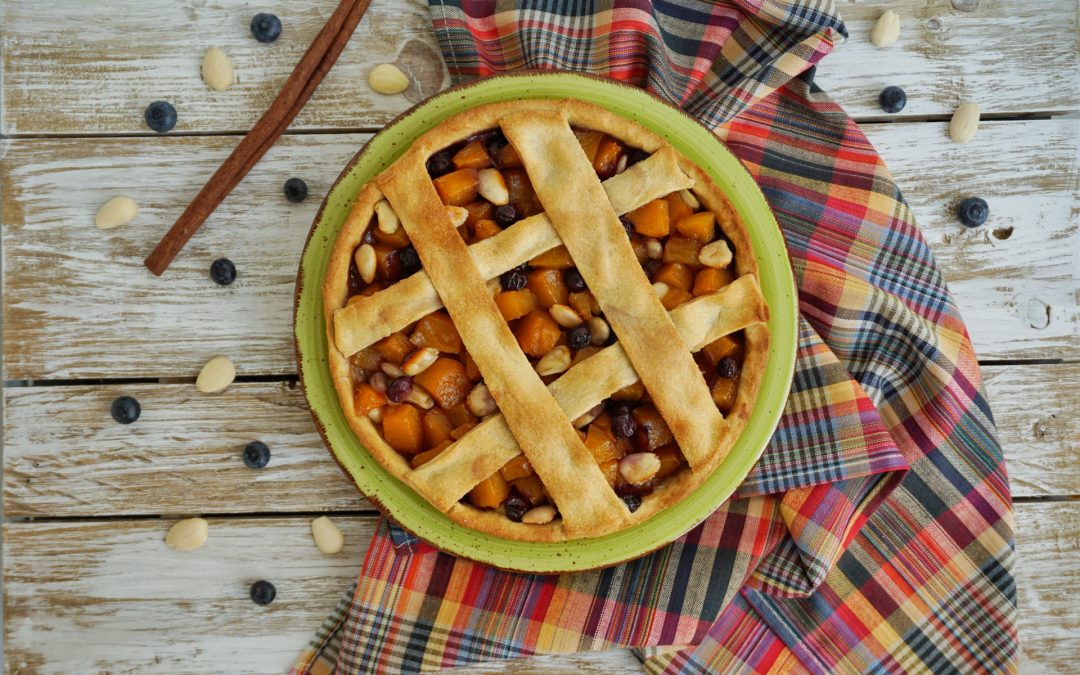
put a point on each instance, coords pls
(79, 303)
(64, 455)
(69, 69)
(133, 605)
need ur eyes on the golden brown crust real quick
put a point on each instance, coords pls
(377, 316)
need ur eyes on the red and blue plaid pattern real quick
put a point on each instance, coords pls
(875, 532)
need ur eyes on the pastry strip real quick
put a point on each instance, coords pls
(559, 457)
(575, 202)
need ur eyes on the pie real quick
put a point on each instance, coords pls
(545, 320)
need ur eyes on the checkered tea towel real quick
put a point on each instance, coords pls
(875, 534)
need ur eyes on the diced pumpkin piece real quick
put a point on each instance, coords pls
(727, 345)
(537, 333)
(446, 381)
(682, 250)
(472, 371)
(367, 398)
(590, 142)
(723, 393)
(601, 443)
(584, 304)
(653, 425)
(675, 275)
(610, 469)
(712, 279)
(675, 297)
(402, 428)
(521, 192)
(651, 220)
(437, 427)
(670, 460)
(490, 492)
(428, 455)
(394, 347)
(459, 415)
(507, 158)
(602, 421)
(480, 210)
(457, 188)
(515, 304)
(437, 330)
(387, 263)
(631, 392)
(607, 157)
(458, 432)
(548, 287)
(677, 208)
(700, 226)
(396, 240)
(472, 156)
(558, 258)
(485, 228)
(531, 488)
(516, 468)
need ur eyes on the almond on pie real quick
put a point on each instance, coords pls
(545, 320)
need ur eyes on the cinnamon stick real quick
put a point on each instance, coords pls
(302, 82)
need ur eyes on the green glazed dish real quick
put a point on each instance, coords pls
(411, 510)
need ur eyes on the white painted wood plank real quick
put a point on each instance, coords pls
(70, 68)
(64, 456)
(79, 303)
(132, 605)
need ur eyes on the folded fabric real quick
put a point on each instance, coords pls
(819, 562)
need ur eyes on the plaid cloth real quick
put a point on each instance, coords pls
(875, 534)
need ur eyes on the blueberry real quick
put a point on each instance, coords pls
(728, 367)
(506, 215)
(892, 99)
(636, 155)
(574, 280)
(516, 506)
(494, 143)
(295, 190)
(514, 280)
(160, 116)
(223, 271)
(633, 502)
(410, 261)
(578, 337)
(624, 425)
(265, 27)
(126, 410)
(256, 455)
(399, 389)
(973, 211)
(263, 592)
(440, 163)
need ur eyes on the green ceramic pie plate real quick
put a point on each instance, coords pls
(411, 510)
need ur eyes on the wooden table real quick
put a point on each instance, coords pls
(88, 584)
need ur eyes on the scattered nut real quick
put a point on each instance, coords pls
(555, 361)
(661, 289)
(621, 166)
(421, 398)
(653, 248)
(419, 360)
(327, 536)
(539, 515)
(391, 369)
(386, 78)
(590, 415)
(565, 316)
(188, 534)
(365, 262)
(639, 467)
(479, 402)
(599, 331)
(379, 382)
(492, 187)
(375, 415)
(964, 123)
(716, 254)
(458, 215)
(388, 220)
(116, 212)
(216, 375)
(689, 199)
(886, 29)
(217, 69)
(494, 285)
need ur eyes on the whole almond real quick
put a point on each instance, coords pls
(964, 123)
(386, 78)
(216, 375)
(188, 534)
(116, 212)
(327, 535)
(886, 29)
(217, 69)
(539, 515)
(716, 254)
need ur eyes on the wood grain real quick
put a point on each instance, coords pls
(1008, 56)
(79, 304)
(133, 605)
(64, 456)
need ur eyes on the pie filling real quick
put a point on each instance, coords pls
(422, 389)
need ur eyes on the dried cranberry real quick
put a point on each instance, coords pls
(578, 337)
(516, 506)
(410, 261)
(618, 408)
(399, 389)
(514, 280)
(440, 163)
(633, 502)
(506, 215)
(356, 282)
(624, 425)
(574, 281)
(636, 155)
(728, 367)
(652, 267)
(627, 225)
